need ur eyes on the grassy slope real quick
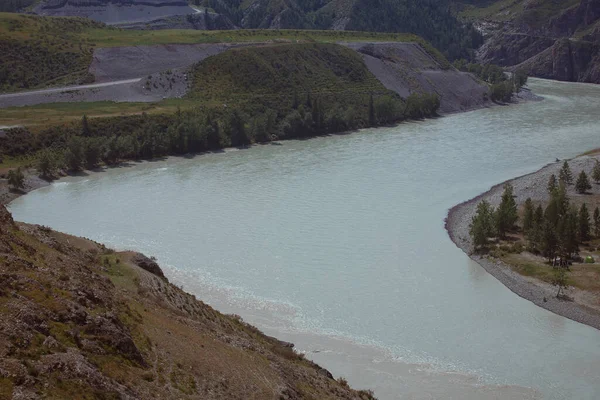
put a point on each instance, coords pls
(42, 115)
(36, 52)
(272, 74)
(42, 50)
(91, 36)
(80, 321)
(265, 75)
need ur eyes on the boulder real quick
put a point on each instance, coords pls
(148, 264)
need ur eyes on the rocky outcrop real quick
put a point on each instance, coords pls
(566, 60)
(550, 49)
(77, 318)
(148, 264)
(6, 219)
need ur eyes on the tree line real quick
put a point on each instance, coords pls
(92, 142)
(431, 19)
(502, 87)
(554, 232)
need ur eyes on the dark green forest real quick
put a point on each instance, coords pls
(431, 19)
(14, 5)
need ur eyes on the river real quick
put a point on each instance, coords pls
(338, 244)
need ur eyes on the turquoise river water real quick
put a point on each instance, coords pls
(338, 244)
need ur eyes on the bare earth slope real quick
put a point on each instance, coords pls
(77, 319)
(127, 74)
(585, 309)
(402, 67)
(407, 68)
(116, 63)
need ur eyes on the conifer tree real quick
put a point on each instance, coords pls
(583, 183)
(565, 174)
(535, 234)
(552, 184)
(567, 233)
(584, 224)
(506, 214)
(482, 225)
(538, 217)
(597, 222)
(596, 172)
(548, 241)
(528, 215)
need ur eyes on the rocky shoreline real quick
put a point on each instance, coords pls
(534, 186)
(32, 182)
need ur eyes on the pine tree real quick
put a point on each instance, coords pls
(596, 172)
(568, 232)
(481, 227)
(548, 241)
(552, 184)
(506, 215)
(565, 174)
(538, 217)
(583, 183)
(528, 215)
(597, 222)
(535, 234)
(584, 224)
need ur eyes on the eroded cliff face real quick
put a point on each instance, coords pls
(565, 47)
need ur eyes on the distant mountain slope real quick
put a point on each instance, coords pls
(431, 19)
(115, 11)
(557, 39)
(15, 5)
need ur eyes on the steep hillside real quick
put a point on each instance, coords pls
(37, 51)
(548, 38)
(114, 11)
(57, 51)
(272, 75)
(81, 321)
(406, 68)
(431, 19)
(15, 5)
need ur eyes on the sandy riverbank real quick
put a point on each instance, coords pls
(586, 306)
